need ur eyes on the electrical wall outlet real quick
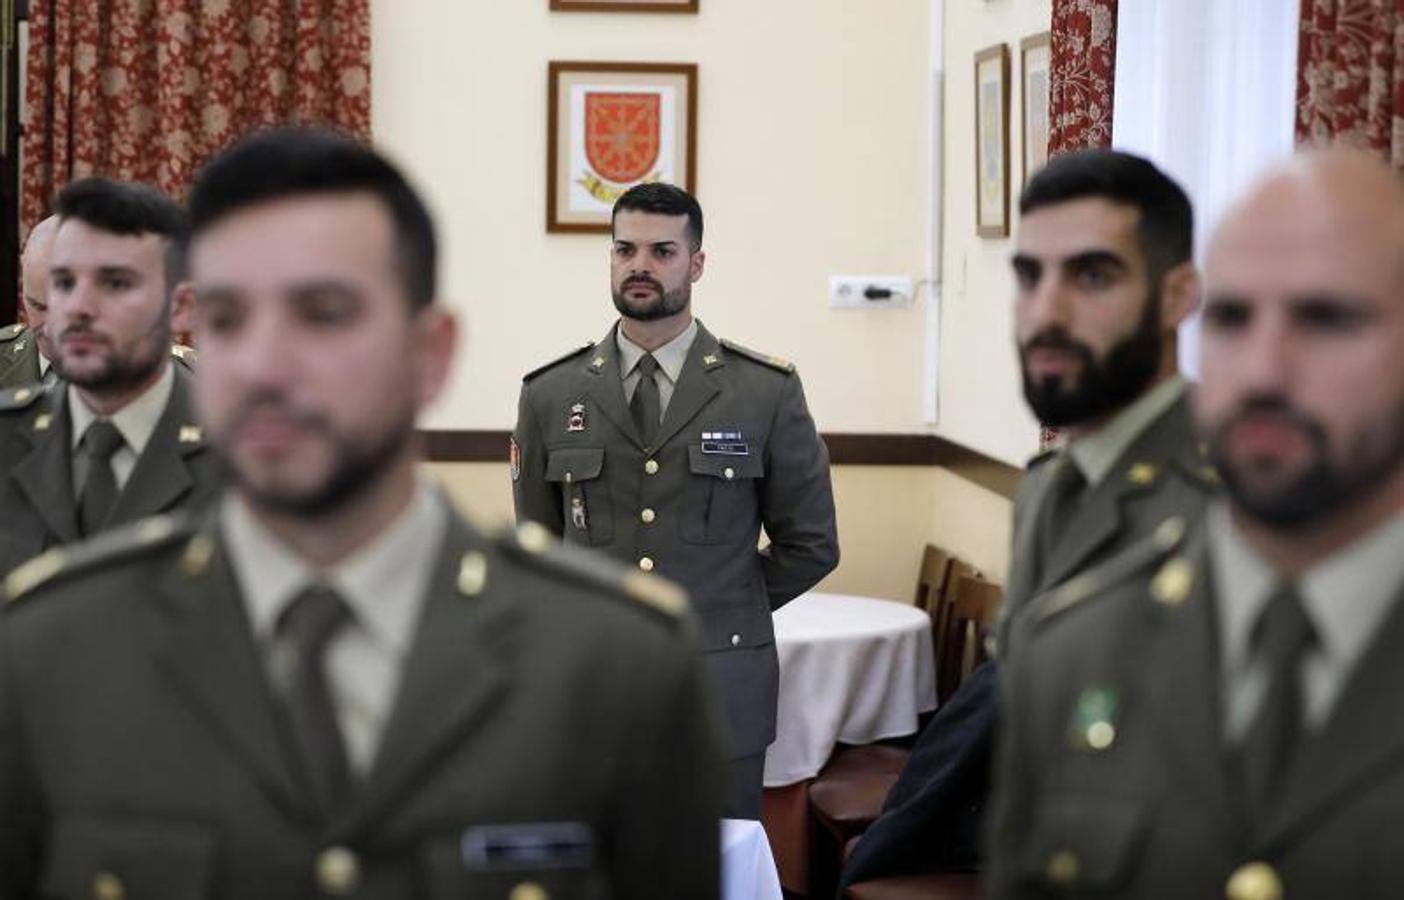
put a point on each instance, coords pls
(869, 291)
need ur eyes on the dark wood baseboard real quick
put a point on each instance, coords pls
(844, 450)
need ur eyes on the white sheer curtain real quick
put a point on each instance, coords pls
(1207, 90)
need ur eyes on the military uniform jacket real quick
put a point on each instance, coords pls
(737, 450)
(1161, 474)
(549, 736)
(19, 356)
(1113, 777)
(38, 506)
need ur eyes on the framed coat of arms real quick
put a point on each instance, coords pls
(611, 126)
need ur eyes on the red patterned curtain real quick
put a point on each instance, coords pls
(1084, 63)
(147, 89)
(1350, 75)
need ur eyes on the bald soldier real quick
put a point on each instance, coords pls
(25, 348)
(1217, 712)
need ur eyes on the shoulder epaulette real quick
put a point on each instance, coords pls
(534, 544)
(21, 397)
(1135, 559)
(10, 332)
(765, 359)
(557, 361)
(109, 546)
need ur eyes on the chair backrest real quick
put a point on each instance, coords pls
(931, 580)
(974, 604)
(940, 611)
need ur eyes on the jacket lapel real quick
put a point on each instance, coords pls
(607, 387)
(44, 476)
(695, 387)
(1362, 739)
(162, 474)
(214, 667)
(1185, 645)
(460, 665)
(1024, 577)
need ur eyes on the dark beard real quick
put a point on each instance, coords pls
(120, 372)
(1319, 491)
(1128, 370)
(663, 305)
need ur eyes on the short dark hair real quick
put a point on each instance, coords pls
(664, 200)
(1166, 228)
(130, 209)
(275, 163)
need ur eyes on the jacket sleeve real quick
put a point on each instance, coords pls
(535, 498)
(797, 502)
(1014, 789)
(21, 822)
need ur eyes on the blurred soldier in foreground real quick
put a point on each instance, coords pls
(333, 685)
(1104, 275)
(1217, 712)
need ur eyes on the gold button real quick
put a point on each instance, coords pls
(1063, 868)
(23, 394)
(107, 886)
(569, 478)
(646, 564)
(648, 516)
(1254, 881)
(528, 890)
(651, 467)
(1101, 735)
(338, 871)
(729, 472)
(736, 640)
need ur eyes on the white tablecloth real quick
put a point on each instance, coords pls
(748, 869)
(852, 670)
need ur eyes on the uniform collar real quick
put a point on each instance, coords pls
(136, 421)
(384, 582)
(670, 356)
(1096, 454)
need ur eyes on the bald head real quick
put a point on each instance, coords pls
(1302, 393)
(34, 266)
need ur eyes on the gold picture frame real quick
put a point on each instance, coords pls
(1036, 76)
(992, 141)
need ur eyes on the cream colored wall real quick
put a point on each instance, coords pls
(885, 515)
(981, 401)
(812, 160)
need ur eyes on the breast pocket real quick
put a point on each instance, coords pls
(586, 508)
(132, 858)
(721, 502)
(1083, 846)
(516, 861)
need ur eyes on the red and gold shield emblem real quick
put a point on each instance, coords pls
(622, 134)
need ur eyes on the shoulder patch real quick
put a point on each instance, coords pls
(10, 332)
(58, 563)
(20, 397)
(765, 359)
(533, 544)
(1136, 559)
(557, 361)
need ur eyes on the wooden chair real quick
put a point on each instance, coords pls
(940, 621)
(931, 579)
(974, 603)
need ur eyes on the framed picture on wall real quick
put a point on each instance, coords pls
(680, 6)
(610, 126)
(1036, 66)
(992, 141)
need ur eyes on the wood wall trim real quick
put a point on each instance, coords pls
(844, 450)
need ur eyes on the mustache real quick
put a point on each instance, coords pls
(1273, 406)
(635, 280)
(83, 330)
(1054, 339)
(274, 403)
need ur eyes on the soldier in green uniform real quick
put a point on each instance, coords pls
(331, 685)
(116, 439)
(25, 349)
(1216, 713)
(669, 449)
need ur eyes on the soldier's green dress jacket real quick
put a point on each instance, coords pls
(1113, 777)
(38, 506)
(19, 356)
(737, 450)
(549, 739)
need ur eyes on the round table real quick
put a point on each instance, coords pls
(853, 670)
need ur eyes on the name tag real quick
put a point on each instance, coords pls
(530, 845)
(725, 443)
